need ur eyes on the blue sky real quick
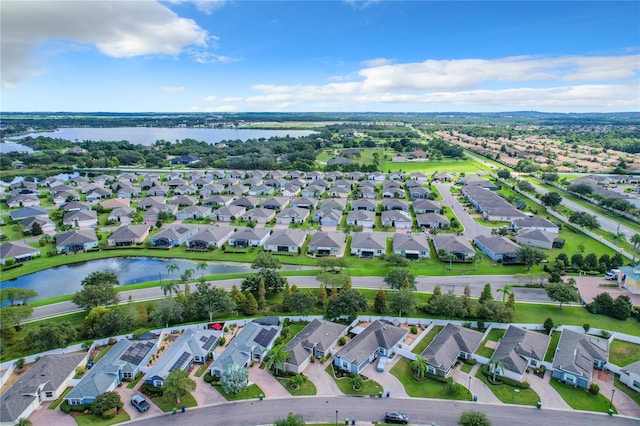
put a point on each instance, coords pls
(231, 56)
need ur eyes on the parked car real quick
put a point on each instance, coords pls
(140, 403)
(396, 417)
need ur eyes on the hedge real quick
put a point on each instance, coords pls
(503, 380)
(68, 409)
(151, 390)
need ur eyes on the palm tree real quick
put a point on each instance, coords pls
(506, 290)
(186, 275)
(276, 357)
(202, 266)
(419, 366)
(171, 268)
(298, 380)
(169, 287)
(497, 364)
(635, 240)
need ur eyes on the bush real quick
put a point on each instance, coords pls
(222, 341)
(594, 389)
(473, 418)
(342, 341)
(503, 380)
(68, 409)
(109, 414)
(414, 329)
(150, 390)
(208, 378)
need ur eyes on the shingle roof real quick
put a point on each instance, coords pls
(452, 243)
(518, 342)
(369, 240)
(377, 335)
(410, 242)
(576, 353)
(240, 348)
(212, 234)
(317, 334)
(287, 237)
(76, 237)
(497, 244)
(16, 248)
(445, 348)
(327, 239)
(129, 232)
(361, 215)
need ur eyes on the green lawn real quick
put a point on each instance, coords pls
(295, 328)
(626, 389)
(370, 387)
(428, 167)
(494, 335)
(508, 394)
(90, 419)
(553, 344)
(580, 399)
(201, 370)
(466, 368)
(623, 353)
(167, 404)
(428, 338)
(426, 388)
(252, 392)
(133, 383)
(307, 388)
(58, 401)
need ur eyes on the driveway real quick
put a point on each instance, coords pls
(44, 416)
(205, 393)
(484, 394)
(623, 403)
(388, 381)
(265, 381)
(549, 397)
(126, 394)
(325, 385)
(471, 228)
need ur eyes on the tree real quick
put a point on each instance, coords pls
(492, 310)
(419, 367)
(622, 307)
(403, 300)
(321, 297)
(273, 281)
(448, 305)
(505, 290)
(635, 240)
(167, 311)
(584, 219)
(504, 174)
(276, 357)
(14, 316)
(561, 293)
(265, 260)
(602, 304)
(396, 260)
(11, 294)
(51, 335)
(530, 256)
(301, 302)
(234, 379)
(525, 186)
(486, 294)
(106, 401)
(169, 287)
(213, 300)
(24, 422)
(98, 289)
(497, 364)
(346, 303)
(332, 279)
(380, 302)
(250, 306)
(186, 276)
(291, 420)
(332, 264)
(473, 418)
(580, 188)
(110, 323)
(172, 268)
(549, 177)
(551, 199)
(591, 261)
(548, 325)
(178, 384)
(202, 267)
(396, 277)
(262, 291)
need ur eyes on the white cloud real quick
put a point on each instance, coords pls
(205, 57)
(205, 6)
(210, 98)
(170, 89)
(376, 62)
(361, 4)
(232, 99)
(119, 29)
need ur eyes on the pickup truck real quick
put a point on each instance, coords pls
(139, 402)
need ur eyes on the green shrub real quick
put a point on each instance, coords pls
(594, 389)
(503, 380)
(342, 341)
(222, 341)
(68, 409)
(208, 378)
(109, 414)
(414, 329)
(150, 390)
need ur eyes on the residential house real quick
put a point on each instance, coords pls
(123, 361)
(285, 241)
(376, 176)
(194, 212)
(499, 249)
(114, 203)
(250, 344)
(127, 191)
(443, 177)
(149, 202)
(368, 205)
(74, 206)
(211, 189)
(46, 225)
(536, 238)
(419, 192)
(314, 340)
(518, 350)
(397, 176)
(98, 194)
(630, 376)
(312, 191)
(81, 219)
(327, 217)
(62, 197)
(18, 251)
(419, 176)
(183, 201)
(448, 244)
(184, 160)
(333, 176)
(432, 221)
(377, 340)
(210, 237)
(344, 183)
(246, 202)
(411, 246)
(576, 356)
(292, 215)
(26, 212)
(122, 215)
(397, 219)
(368, 244)
(363, 218)
(158, 191)
(393, 193)
(218, 201)
(185, 190)
(539, 223)
(129, 235)
(237, 189)
(248, 237)
(23, 200)
(45, 381)
(327, 243)
(395, 205)
(193, 346)
(174, 236)
(259, 215)
(334, 203)
(229, 213)
(367, 192)
(452, 343)
(176, 182)
(75, 241)
(339, 192)
(304, 203)
(261, 190)
(275, 203)
(339, 161)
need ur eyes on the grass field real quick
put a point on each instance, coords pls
(167, 404)
(509, 394)
(305, 389)
(553, 344)
(91, 420)
(369, 387)
(494, 336)
(427, 388)
(580, 399)
(623, 353)
(428, 338)
(252, 392)
(450, 166)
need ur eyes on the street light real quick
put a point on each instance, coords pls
(336, 417)
(469, 385)
(613, 391)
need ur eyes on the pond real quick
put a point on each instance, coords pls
(66, 279)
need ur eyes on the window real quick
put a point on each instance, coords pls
(534, 363)
(48, 394)
(127, 375)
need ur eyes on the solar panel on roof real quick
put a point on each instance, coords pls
(209, 343)
(180, 362)
(264, 337)
(203, 339)
(136, 353)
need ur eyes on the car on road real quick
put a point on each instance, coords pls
(140, 403)
(396, 417)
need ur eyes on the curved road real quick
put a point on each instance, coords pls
(423, 284)
(369, 410)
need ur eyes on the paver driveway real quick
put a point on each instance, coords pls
(388, 381)
(325, 385)
(265, 381)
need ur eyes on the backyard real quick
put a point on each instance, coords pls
(428, 338)
(623, 353)
(494, 336)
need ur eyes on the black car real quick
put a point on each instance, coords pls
(396, 417)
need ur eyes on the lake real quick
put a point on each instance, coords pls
(149, 135)
(8, 146)
(66, 279)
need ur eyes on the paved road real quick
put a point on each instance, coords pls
(471, 228)
(423, 284)
(369, 410)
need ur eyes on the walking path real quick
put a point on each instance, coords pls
(478, 387)
(44, 416)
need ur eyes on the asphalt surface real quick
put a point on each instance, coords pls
(370, 410)
(471, 228)
(423, 284)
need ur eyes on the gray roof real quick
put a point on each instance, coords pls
(497, 244)
(287, 237)
(24, 212)
(175, 232)
(425, 205)
(212, 234)
(80, 215)
(76, 237)
(260, 213)
(452, 243)
(576, 353)
(193, 342)
(533, 222)
(304, 201)
(410, 242)
(104, 373)
(363, 203)
(16, 248)
(327, 239)
(361, 215)
(250, 234)
(517, 343)
(275, 201)
(241, 347)
(294, 212)
(377, 335)
(389, 203)
(445, 348)
(50, 372)
(369, 240)
(396, 215)
(536, 235)
(431, 218)
(129, 232)
(632, 368)
(317, 334)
